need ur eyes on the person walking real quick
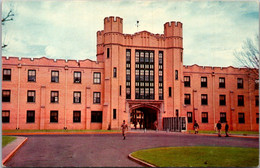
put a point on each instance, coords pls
(124, 127)
(226, 129)
(219, 128)
(196, 127)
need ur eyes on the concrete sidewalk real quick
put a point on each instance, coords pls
(9, 150)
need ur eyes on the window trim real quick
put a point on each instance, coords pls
(95, 102)
(6, 122)
(7, 75)
(52, 111)
(189, 117)
(207, 118)
(58, 77)
(97, 120)
(27, 121)
(74, 98)
(9, 96)
(34, 97)
(97, 79)
(243, 119)
(29, 75)
(80, 78)
(74, 117)
(203, 83)
(54, 97)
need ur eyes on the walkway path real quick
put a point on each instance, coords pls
(107, 150)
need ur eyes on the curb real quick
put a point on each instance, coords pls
(143, 163)
(237, 136)
(13, 152)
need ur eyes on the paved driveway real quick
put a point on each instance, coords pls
(106, 150)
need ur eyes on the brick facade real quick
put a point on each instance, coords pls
(115, 75)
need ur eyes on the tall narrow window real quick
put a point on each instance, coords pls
(77, 97)
(54, 96)
(257, 101)
(239, 83)
(240, 100)
(170, 91)
(257, 118)
(96, 98)
(204, 99)
(204, 116)
(96, 77)
(5, 116)
(128, 73)
(257, 84)
(187, 99)
(54, 116)
(176, 75)
(189, 117)
(223, 117)
(222, 83)
(120, 88)
(31, 75)
(114, 72)
(222, 100)
(77, 77)
(31, 96)
(108, 52)
(30, 116)
(6, 74)
(6, 95)
(114, 114)
(241, 118)
(55, 76)
(76, 116)
(203, 82)
(186, 81)
(160, 75)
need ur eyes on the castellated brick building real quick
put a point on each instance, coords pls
(139, 78)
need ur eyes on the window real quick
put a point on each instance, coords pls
(160, 94)
(170, 91)
(108, 53)
(257, 118)
(176, 75)
(241, 118)
(222, 100)
(240, 101)
(6, 74)
(77, 77)
(256, 100)
(189, 117)
(223, 117)
(55, 76)
(54, 116)
(5, 116)
(203, 82)
(96, 116)
(114, 72)
(114, 113)
(257, 84)
(128, 93)
(187, 99)
(204, 116)
(76, 116)
(204, 99)
(77, 97)
(96, 99)
(31, 96)
(30, 116)
(97, 78)
(31, 75)
(239, 83)
(186, 81)
(221, 82)
(6, 95)
(120, 92)
(54, 96)
(128, 55)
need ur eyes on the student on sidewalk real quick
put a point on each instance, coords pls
(219, 128)
(226, 129)
(196, 127)
(124, 127)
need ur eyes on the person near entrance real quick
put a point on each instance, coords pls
(226, 129)
(156, 125)
(196, 127)
(124, 127)
(219, 128)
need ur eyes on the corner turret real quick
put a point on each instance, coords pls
(173, 29)
(113, 24)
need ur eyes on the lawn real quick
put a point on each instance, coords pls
(230, 132)
(200, 156)
(7, 139)
(61, 130)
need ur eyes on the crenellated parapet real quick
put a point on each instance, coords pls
(173, 29)
(43, 61)
(113, 24)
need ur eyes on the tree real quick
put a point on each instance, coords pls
(248, 57)
(8, 17)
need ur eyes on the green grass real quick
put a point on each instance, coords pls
(7, 139)
(200, 156)
(230, 132)
(61, 130)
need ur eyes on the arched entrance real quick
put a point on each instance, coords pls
(144, 118)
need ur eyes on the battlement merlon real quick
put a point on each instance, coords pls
(113, 24)
(173, 29)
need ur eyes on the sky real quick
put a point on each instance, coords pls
(212, 30)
